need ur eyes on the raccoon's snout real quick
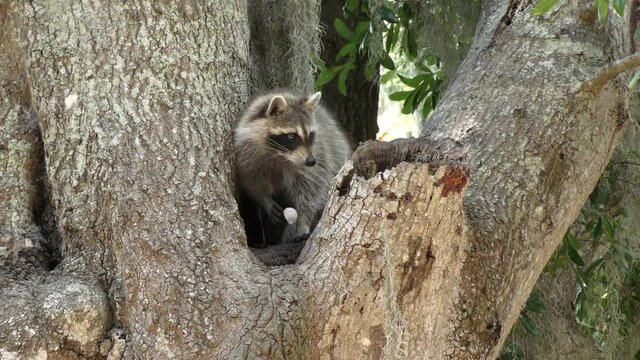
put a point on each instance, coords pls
(310, 161)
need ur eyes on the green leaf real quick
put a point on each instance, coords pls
(362, 28)
(387, 76)
(598, 230)
(618, 6)
(342, 78)
(636, 77)
(572, 241)
(387, 62)
(575, 256)
(387, 14)
(536, 307)
(326, 75)
(413, 82)
(342, 82)
(399, 95)
(636, 34)
(581, 310)
(592, 267)
(543, 7)
(528, 324)
(393, 37)
(347, 49)
(535, 303)
(608, 227)
(407, 108)
(422, 93)
(405, 14)
(351, 5)
(388, 41)
(342, 29)
(603, 10)
(580, 280)
(427, 106)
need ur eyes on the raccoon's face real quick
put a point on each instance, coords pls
(291, 130)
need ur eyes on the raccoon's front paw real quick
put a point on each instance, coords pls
(301, 238)
(275, 212)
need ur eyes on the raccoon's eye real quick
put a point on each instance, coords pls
(292, 136)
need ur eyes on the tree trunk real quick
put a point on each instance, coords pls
(22, 246)
(537, 139)
(559, 337)
(136, 103)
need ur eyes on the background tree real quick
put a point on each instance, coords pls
(357, 111)
(135, 103)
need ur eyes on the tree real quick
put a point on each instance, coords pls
(357, 112)
(427, 248)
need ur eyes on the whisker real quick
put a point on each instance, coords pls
(278, 146)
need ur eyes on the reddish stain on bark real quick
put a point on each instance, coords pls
(453, 180)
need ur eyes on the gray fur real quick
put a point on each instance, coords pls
(263, 170)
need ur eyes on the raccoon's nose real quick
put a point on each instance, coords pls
(310, 161)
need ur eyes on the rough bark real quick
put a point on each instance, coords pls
(135, 102)
(369, 263)
(22, 246)
(559, 336)
(536, 145)
(357, 112)
(430, 258)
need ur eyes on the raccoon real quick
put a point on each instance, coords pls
(288, 149)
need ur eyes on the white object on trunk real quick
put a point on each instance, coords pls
(290, 214)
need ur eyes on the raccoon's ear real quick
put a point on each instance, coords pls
(277, 105)
(313, 101)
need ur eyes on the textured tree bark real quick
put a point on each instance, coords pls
(136, 103)
(432, 257)
(559, 336)
(22, 247)
(536, 145)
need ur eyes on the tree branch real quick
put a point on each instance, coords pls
(611, 71)
(373, 157)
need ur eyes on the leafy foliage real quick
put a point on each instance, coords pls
(607, 272)
(606, 269)
(612, 267)
(535, 304)
(421, 78)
